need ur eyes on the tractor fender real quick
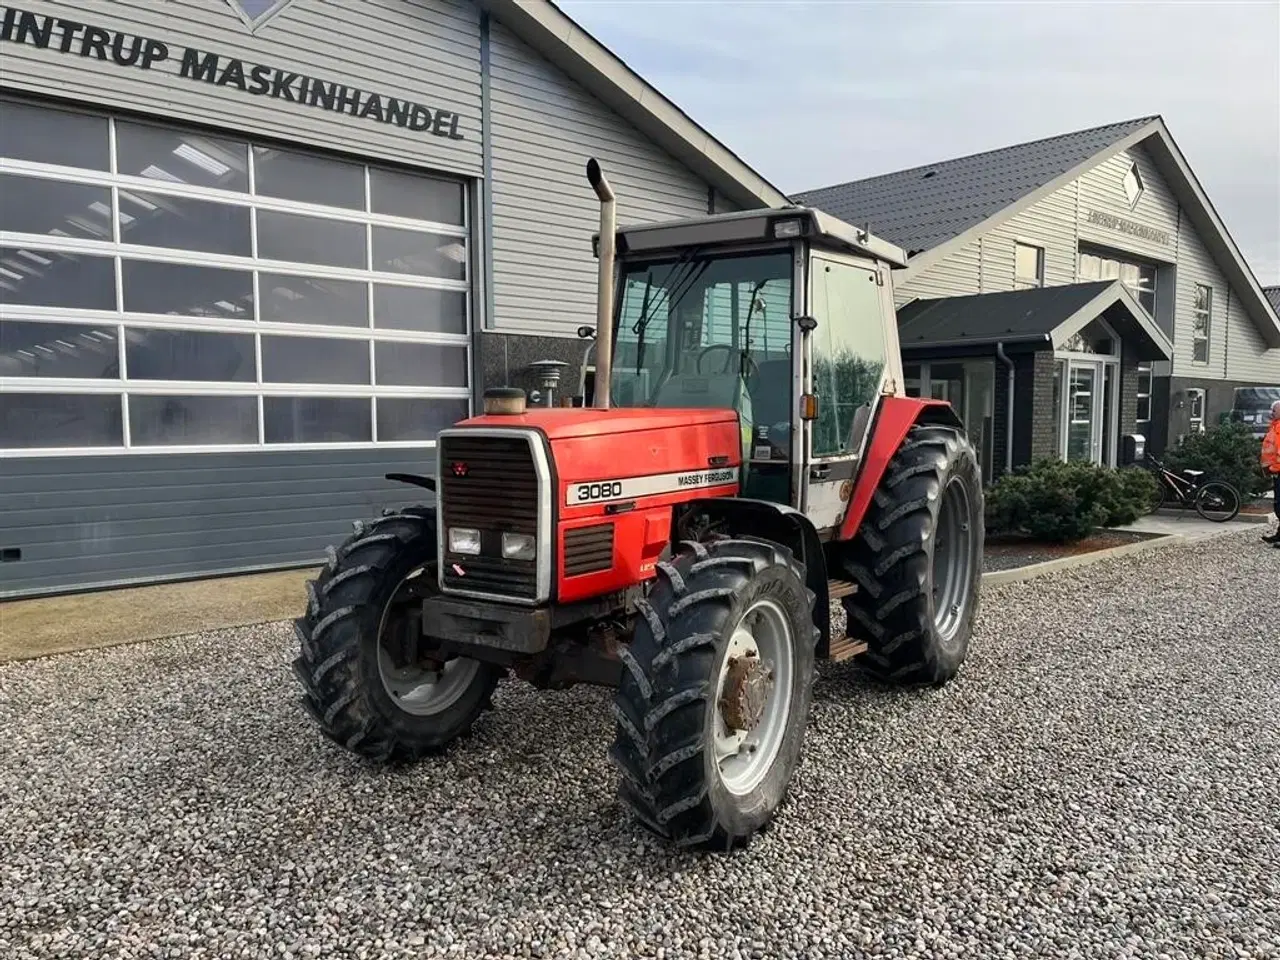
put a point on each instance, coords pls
(896, 416)
(785, 525)
(428, 483)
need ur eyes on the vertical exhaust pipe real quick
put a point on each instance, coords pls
(604, 282)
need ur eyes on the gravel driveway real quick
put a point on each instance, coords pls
(1101, 781)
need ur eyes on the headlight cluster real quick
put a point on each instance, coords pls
(464, 540)
(518, 546)
(515, 546)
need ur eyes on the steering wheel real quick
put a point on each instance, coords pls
(729, 352)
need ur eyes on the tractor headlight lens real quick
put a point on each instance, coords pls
(464, 540)
(518, 546)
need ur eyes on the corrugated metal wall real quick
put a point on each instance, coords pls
(88, 521)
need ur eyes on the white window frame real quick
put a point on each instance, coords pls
(120, 319)
(1197, 315)
(1028, 283)
(1107, 387)
(1145, 371)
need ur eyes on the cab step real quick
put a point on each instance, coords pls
(836, 589)
(845, 649)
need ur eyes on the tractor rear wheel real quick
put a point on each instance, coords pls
(917, 560)
(715, 691)
(366, 681)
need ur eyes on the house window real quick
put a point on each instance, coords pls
(1133, 185)
(1138, 278)
(1195, 408)
(1028, 266)
(1144, 399)
(1201, 324)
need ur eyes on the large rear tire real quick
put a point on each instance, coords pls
(715, 692)
(363, 681)
(917, 560)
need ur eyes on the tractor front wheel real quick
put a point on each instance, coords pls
(917, 560)
(368, 679)
(715, 691)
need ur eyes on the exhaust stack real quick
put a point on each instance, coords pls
(604, 282)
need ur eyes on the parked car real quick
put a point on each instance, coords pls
(1253, 407)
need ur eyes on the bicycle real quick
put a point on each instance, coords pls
(1215, 500)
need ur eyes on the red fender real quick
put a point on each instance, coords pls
(897, 415)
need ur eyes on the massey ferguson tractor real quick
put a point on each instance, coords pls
(746, 458)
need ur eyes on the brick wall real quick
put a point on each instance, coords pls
(1044, 422)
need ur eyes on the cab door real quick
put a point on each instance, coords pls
(851, 361)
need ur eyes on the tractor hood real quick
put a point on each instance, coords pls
(563, 423)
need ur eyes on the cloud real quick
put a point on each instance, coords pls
(812, 94)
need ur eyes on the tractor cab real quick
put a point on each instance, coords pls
(785, 316)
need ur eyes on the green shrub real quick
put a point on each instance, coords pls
(1137, 492)
(1061, 502)
(1228, 452)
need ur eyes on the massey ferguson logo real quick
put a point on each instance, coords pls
(707, 479)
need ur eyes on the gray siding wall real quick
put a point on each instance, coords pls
(959, 273)
(1061, 222)
(1102, 191)
(92, 521)
(426, 51)
(544, 129)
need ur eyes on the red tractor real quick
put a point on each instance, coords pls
(747, 458)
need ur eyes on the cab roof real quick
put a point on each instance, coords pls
(748, 226)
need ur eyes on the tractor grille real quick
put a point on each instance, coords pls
(494, 490)
(588, 550)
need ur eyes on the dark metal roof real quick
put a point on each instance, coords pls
(922, 207)
(1273, 295)
(989, 317)
(1044, 315)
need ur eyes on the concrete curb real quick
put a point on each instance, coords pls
(1190, 514)
(1018, 574)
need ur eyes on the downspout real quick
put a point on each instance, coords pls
(1008, 412)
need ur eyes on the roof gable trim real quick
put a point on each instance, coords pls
(1114, 293)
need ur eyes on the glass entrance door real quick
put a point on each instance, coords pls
(1084, 411)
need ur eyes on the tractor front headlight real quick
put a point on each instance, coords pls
(518, 546)
(464, 540)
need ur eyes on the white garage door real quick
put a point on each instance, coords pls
(163, 289)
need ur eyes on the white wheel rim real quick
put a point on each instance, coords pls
(420, 690)
(743, 757)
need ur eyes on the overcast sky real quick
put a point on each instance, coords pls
(815, 93)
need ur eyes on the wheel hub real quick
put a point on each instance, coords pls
(747, 688)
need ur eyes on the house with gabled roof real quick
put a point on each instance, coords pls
(1070, 293)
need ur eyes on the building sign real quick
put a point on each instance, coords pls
(84, 42)
(1133, 229)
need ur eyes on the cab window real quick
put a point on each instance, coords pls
(848, 351)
